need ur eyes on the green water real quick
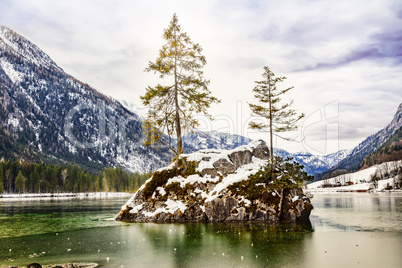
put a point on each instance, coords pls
(346, 230)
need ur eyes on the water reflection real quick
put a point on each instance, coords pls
(357, 212)
(22, 217)
(350, 230)
(382, 202)
(165, 245)
(339, 202)
(229, 244)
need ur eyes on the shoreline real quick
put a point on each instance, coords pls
(66, 265)
(339, 190)
(65, 195)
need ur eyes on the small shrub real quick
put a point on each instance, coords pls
(287, 175)
(160, 178)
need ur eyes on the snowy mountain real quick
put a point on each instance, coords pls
(371, 144)
(196, 140)
(391, 150)
(212, 140)
(45, 108)
(315, 164)
(216, 140)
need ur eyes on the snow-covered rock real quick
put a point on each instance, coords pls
(213, 185)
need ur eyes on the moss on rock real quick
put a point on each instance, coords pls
(183, 168)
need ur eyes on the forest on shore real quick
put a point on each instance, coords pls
(24, 177)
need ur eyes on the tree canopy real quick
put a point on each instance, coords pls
(281, 117)
(24, 177)
(184, 92)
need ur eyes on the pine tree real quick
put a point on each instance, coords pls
(1, 179)
(173, 105)
(20, 182)
(281, 118)
(64, 175)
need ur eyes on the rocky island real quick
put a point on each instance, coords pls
(216, 186)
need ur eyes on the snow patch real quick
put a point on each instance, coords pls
(191, 180)
(13, 121)
(171, 206)
(15, 76)
(161, 191)
(246, 202)
(295, 198)
(361, 179)
(137, 208)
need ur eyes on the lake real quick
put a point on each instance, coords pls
(346, 230)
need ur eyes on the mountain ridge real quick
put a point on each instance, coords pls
(391, 150)
(354, 160)
(47, 109)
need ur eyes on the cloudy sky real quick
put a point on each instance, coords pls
(343, 57)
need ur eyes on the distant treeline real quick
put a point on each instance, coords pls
(23, 177)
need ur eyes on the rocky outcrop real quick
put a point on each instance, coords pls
(67, 265)
(217, 186)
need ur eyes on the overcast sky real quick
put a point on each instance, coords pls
(343, 57)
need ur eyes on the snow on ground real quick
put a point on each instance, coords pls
(361, 180)
(241, 174)
(206, 158)
(62, 195)
(191, 180)
(15, 76)
(171, 207)
(350, 188)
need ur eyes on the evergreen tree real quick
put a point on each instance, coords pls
(64, 175)
(172, 105)
(9, 179)
(36, 179)
(1, 180)
(20, 182)
(281, 118)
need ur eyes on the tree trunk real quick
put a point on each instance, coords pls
(280, 205)
(179, 150)
(271, 153)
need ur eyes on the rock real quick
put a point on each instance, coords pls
(220, 209)
(261, 151)
(240, 158)
(210, 171)
(214, 186)
(68, 265)
(224, 167)
(34, 265)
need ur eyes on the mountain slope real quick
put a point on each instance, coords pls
(372, 143)
(391, 150)
(53, 112)
(212, 140)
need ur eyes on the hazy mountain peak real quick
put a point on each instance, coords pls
(12, 42)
